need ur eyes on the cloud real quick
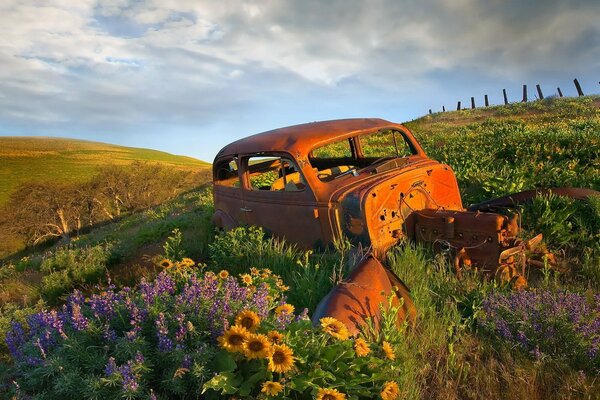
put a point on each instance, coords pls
(89, 67)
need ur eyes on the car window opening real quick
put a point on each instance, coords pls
(274, 173)
(347, 156)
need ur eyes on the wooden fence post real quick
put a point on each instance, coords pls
(539, 90)
(505, 96)
(524, 93)
(458, 106)
(559, 92)
(473, 102)
(487, 103)
(578, 87)
(443, 108)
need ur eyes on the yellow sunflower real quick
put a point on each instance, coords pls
(271, 388)
(254, 271)
(284, 309)
(390, 391)
(388, 351)
(330, 394)
(247, 279)
(275, 337)
(361, 347)
(233, 339)
(248, 319)
(188, 261)
(335, 328)
(265, 273)
(166, 263)
(223, 274)
(281, 359)
(281, 286)
(257, 346)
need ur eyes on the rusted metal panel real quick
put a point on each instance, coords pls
(359, 300)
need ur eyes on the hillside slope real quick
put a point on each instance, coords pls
(500, 150)
(43, 159)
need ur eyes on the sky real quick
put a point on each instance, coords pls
(190, 76)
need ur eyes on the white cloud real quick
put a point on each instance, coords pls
(124, 62)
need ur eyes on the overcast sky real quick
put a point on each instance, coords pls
(190, 76)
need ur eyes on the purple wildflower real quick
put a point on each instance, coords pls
(111, 367)
(164, 343)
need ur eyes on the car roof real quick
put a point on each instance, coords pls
(304, 137)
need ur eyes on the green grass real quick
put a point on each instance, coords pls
(500, 150)
(42, 159)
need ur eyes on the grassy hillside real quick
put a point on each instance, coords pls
(500, 150)
(42, 159)
(474, 338)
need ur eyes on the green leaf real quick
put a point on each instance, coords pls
(224, 362)
(226, 383)
(250, 382)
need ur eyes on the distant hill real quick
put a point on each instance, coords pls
(43, 159)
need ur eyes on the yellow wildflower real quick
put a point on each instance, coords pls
(275, 337)
(233, 339)
(281, 359)
(257, 346)
(223, 274)
(361, 347)
(248, 319)
(388, 351)
(271, 388)
(335, 328)
(390, 391)
(284, 309)
(330, 394)
(247, 279)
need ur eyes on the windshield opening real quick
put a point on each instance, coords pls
(345, 157)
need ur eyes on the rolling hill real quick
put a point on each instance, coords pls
(43, 159)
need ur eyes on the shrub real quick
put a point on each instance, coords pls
(70, 266)
(310, 276)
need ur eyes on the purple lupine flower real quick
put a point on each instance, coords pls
(164, 343)
(78, 320)
(139, 358)
(109, 334)
(130, 383)
(260, 300)
(302, 316)
(187, 361)
(111, 367)
(182, 329)
(15, 338)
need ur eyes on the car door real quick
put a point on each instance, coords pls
(277, 197)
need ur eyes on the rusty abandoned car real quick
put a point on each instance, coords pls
(367, 180)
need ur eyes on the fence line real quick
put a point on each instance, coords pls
(525, 98)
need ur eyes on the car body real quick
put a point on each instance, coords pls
(354, 178)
